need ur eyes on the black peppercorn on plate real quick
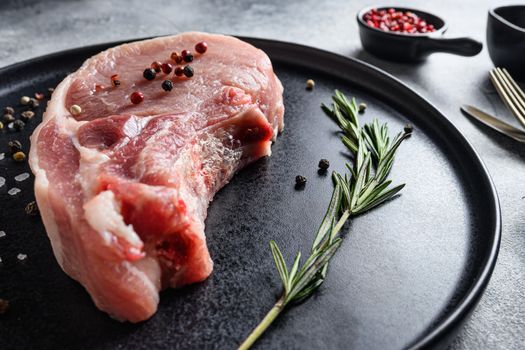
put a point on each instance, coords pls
(406, 276)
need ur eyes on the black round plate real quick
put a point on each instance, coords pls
(407, 275)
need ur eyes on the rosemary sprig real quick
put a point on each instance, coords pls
(363, 188)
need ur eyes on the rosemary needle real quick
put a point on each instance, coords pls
(364, 187)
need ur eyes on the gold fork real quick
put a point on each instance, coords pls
(510, 92)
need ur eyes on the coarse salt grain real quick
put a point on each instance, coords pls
(2, 234)
(22, 177)
(14, 191)
(2, 181)
(21, 256)
(2, 156)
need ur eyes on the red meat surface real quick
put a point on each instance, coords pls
(123, 188)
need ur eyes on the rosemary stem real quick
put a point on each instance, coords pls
(341, 222)
(264, 324)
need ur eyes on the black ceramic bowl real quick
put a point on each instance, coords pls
(506, 38)
(412, 47)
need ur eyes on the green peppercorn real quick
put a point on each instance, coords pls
(18, 125)
(8, 118)
(9, 110)
(14, 146)
(1, 125)
(19, 156)
(324, 164)
(188, 71)
(167, 85)
(362, 107)
(149, 74)
(27, 115)
(300, 180)
(409, 128)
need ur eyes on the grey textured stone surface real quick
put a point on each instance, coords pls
(30, 29)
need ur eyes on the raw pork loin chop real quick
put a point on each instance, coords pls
(123, 188)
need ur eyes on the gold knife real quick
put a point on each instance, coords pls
(494, 123)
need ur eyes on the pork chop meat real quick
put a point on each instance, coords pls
(123, 188)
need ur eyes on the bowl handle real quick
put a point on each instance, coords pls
(458, 46)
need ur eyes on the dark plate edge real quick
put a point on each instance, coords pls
(446, 329)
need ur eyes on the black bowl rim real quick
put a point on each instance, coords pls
(437, 32)
(492, 12)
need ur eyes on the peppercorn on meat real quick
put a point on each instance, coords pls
(123, 183)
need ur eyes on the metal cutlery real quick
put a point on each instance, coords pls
(494, 123)
(513, 97)
(510, 92)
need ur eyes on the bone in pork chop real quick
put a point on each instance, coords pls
(123, 188)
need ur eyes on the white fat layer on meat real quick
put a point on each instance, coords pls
(58, 107)
(102, 212)
(46, 212)
(42, 182)
(88, 168)
(69, 126)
